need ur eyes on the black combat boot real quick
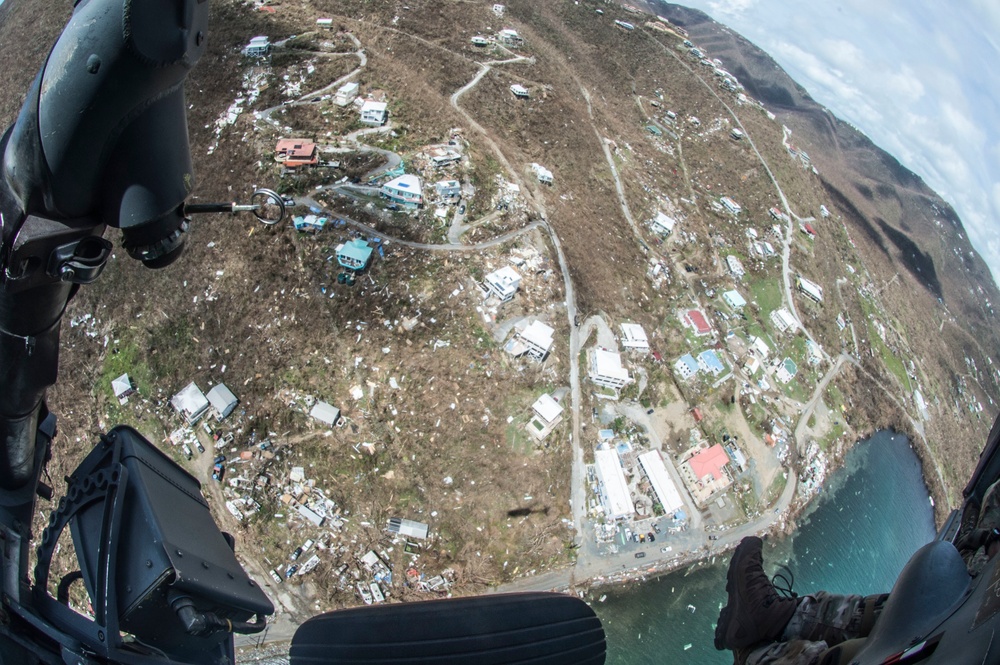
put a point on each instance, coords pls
(755, 612)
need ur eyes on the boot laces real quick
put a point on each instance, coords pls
(781, 585)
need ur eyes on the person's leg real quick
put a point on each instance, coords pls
(795, 652)
(763, 628)
(833, 618)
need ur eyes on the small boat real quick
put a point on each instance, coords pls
(366, 595)
(376, 592)
(687, 646)
(602, 598)
(691, 608)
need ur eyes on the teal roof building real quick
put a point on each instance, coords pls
(354, 255)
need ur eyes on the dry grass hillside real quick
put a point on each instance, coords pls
(410, 355)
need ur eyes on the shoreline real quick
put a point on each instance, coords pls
(785, 527)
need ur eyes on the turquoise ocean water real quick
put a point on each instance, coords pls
(856, 536)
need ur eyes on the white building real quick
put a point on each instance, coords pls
(538, 338)
(734, 299)
(258, 47)
(407, 528)
(662, 224)
(520, 91)
(606, 369)
(735, 266)
(326, 413)
(222, 400)
(665, 489)
(404, 190)
(612, 486)
(374, 113)
(498, 9)
(784, 321)
(346, 93)
(324, 23)
(448, 189)
(810, 289)
(509, 37)
(751, 365)
(503, 283)
(544, 175)
(634, 337)
(548, 414)
(814, 353)
(760, 347)
(122, 388)
(731, 205)
(191, 403)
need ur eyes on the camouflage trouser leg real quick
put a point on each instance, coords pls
(821, 620)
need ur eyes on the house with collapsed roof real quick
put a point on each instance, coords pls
(535, 340)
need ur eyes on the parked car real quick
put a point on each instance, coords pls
(713, 537)
(640, 555)
(461, 209)
(291, 570)
(296, 554)
(200, 447)
(666, 549)
(651, 537)
(649, 412)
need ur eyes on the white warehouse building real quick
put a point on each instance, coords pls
(612, 485)
(666, 490)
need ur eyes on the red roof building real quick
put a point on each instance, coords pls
(696, 412)
(710, 462)
(697, 320)
(809, 229)
(296, 152)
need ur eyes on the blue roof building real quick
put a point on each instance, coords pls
(708, 361)
(686, 366)
(309, 223)
(354, 255)
(734, 299)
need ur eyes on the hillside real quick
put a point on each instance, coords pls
(440, 422)
(930, 282)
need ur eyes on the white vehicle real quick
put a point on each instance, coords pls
(666, 549)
